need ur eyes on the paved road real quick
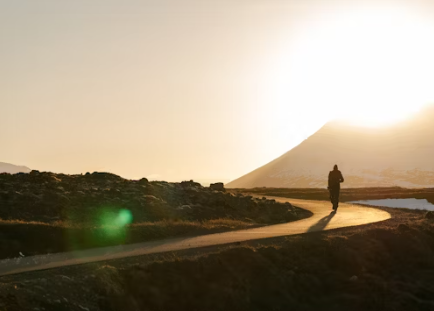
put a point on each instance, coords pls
(347, 215)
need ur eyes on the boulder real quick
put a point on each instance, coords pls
(189, 184)
(289, 206)
(104, 176)
(429, 215)
(144, 181)
(219, 186)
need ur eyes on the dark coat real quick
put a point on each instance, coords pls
(335, 179)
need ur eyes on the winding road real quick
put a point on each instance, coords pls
(347, 215)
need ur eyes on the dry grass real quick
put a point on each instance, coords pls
(24, 222)
(347, 194)
(206, 224)
(34, 238)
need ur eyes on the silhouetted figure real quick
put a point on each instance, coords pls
(334, 186)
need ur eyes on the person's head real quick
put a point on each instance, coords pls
(335, 167)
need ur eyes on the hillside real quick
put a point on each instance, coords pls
(384, 266)
(398, 155)
(43, 212)
(13, 169)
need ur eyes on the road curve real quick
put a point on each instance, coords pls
(347, 215)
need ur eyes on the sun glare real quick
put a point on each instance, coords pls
(372, 66)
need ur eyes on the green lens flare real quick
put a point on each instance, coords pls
(114, 222)
(109, 227)
(124, 218)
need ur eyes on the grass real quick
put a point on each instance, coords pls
(206, 224)
(34, 238)
(347, 194)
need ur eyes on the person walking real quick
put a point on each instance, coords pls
(334, 186)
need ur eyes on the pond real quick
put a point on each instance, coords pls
(399, 203)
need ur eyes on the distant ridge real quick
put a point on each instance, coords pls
(13, 169)
(399, 155)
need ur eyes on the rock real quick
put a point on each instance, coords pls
(65, 277)
(354, 278)
(189, 184)
(182, 207)
(403, 227)
(429, 215)
(151, 198)
(219, 186)
(104, 176)
(114, 191)
(143, 181)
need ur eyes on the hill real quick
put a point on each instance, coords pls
(398, 155)
(43, 212)
(13, 169)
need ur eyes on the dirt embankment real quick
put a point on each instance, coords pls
(387, 266)
(46, 213)
(381, 266)
(346, 195)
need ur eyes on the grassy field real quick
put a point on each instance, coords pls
(34, 238)
(347, 194)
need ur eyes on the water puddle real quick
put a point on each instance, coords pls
(400, 203)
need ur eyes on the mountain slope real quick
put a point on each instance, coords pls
(399, 155)
(13, 169)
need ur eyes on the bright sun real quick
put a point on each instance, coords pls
(370, 65)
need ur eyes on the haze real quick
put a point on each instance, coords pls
(205, 90)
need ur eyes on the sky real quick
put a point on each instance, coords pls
(205, 90)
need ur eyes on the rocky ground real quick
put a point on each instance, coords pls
(381, 266)
(42, 212)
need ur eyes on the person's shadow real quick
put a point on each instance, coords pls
(322, 223)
